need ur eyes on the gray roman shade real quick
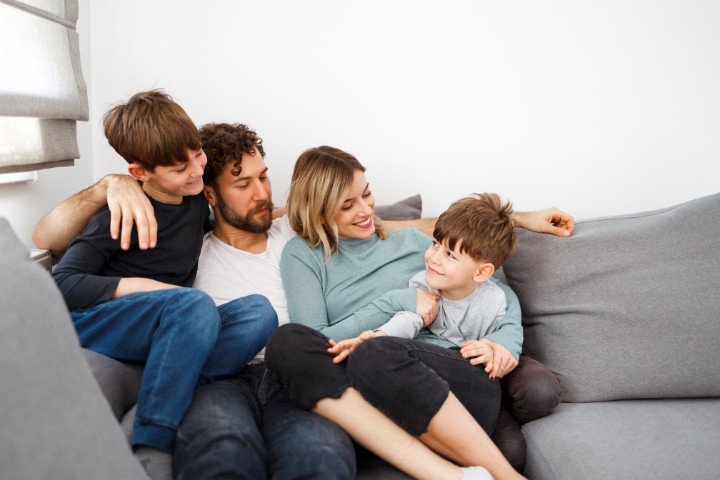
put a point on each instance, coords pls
(42, 90)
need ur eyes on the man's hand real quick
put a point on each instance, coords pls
(549, 220)
(59, 227)
(344, 348)
(503, 360)
(129, 205)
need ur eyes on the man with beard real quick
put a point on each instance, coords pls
(228, 432)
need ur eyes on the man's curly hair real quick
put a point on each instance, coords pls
(225, 142)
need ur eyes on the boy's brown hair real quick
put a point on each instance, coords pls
(151, 130)
(482, 225)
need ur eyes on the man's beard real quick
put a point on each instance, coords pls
(247, 222)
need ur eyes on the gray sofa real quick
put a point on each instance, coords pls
(626, 313)
(55, 422)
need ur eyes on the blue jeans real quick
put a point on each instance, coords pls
(229, 433)
(183, 339)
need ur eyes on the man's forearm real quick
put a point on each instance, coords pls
(549, 220)
(63, 223)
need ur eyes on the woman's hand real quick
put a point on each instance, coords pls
(549, 220)
(129, 205)
(344, 348)
(427, 306)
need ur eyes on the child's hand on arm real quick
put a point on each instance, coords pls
(344, 348)
(427, 306)
(479, 352)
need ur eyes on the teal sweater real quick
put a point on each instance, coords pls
(364, 283)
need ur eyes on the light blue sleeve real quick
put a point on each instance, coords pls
(303, 283)
(509, 332)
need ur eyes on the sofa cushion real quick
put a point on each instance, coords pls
(628, 306)
(658, 439)
(407, 209)
(54, 421)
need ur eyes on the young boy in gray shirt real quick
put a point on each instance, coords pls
(471, 240)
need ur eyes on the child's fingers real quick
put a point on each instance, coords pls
(475, 350)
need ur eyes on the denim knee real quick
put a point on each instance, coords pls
(197, 312)
(259, 302)
(191, 315)
(531, 390)
(265, 313)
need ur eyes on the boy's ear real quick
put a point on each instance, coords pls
(138, 171)
(210, 195)
(484, 271)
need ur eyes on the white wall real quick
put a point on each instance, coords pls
(599, 107)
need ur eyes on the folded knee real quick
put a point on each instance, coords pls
(289, 343)
(533, 391)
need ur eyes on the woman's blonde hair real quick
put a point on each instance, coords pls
(320, 183)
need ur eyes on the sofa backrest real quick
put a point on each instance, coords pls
(629, 306)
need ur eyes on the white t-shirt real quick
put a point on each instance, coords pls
(226, 273)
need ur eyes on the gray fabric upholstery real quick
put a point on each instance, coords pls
(634, 439)
(119, 381)
(628, 307)
(54, 421)
(407, 209)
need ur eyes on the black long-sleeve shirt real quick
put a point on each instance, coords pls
(93, 265)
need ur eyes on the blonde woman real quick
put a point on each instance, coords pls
(415, 403)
